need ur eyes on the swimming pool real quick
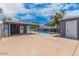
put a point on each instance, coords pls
(44, 32)
(47, 32)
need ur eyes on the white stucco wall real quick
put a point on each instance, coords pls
(28, 29)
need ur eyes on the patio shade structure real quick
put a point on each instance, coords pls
(9, 28)
(49, 28)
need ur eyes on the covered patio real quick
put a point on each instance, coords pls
(14, 28)
(48, 29)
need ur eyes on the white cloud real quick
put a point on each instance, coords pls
(72, 13)
(48, 11)
(11, 8)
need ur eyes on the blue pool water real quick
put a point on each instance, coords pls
(43, 33)
(46, 32)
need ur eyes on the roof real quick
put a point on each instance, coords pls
(17, 22)
(70, 18)
(48, 27)
(1, 21)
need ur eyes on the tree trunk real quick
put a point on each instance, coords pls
(57, 26)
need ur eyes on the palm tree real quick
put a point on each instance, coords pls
(50, 23)
(7, 19)
(56, 17)
(36, 26)
(1, 10)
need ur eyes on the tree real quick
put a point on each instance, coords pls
(50, 23)
(1, 10)
(59, 14)
(21, 20)
(7, 18)
(36, 26)
(56, 17)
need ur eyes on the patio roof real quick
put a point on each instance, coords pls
(69, 18)
(48, 27)
(18, 23)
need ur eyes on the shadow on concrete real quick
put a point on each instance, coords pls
(58, 35)
(20, 35)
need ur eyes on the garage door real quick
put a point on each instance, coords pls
(71, 29)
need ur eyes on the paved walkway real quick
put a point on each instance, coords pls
(38, 45)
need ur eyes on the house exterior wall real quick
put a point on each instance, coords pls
(63, 28)
(9, 34)
(77, 29)
(28, 29)
(1, 29)
(6, 30)
(25, 29)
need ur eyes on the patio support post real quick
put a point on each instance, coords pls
(29, 30)
(49, 30)
(9, 29)
(26, 29)
(53, 30)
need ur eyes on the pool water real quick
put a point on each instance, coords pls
(47, 32)
(44, 32)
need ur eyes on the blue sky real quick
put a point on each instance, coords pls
(38, 12)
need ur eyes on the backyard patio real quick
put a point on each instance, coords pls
(38, 45)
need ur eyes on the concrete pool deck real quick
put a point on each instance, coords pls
(38, 45)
